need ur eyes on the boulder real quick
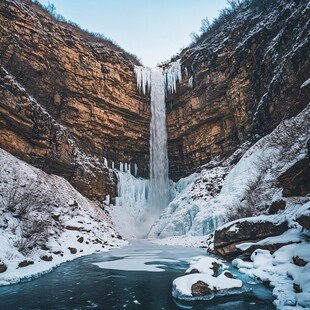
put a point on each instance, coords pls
(46, 258)
(227, 238)
(80, 239)
(200, 288)
(299, 261)
(3, 267)
(69, 227)
(55, 217)
(25, 263)
(276, 206)
(194, 270)
(297, 288)
(72, 250)
(296, 180)
(228, 275)
(304, 221)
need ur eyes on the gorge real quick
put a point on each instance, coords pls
(209, 149)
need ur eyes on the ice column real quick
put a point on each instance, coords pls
(159, 184)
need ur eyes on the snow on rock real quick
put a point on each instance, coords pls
(202, 281)
(44, 220)
(204, 286)
(290, 279)
(206, 264)
(290, 236)
(303, 216)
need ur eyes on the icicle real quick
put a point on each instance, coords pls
(107, 200)
(173, 74)
(143, 76)
(132, 194)
(105, 162)
(191, 82)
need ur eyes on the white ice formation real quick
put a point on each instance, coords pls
(158, 81)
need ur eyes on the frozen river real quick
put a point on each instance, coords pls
(138, 276)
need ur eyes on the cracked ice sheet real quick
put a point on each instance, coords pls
(137, 263)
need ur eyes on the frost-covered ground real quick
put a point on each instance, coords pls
(44, 220)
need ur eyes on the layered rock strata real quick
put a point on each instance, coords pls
(68, 101)
(246, 74)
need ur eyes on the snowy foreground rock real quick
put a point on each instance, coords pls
(287, 270)
(44, 221)
(279, 253)
(228, 237)
(202, 282)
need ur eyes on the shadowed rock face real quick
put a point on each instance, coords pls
(247, 76)
(84, 105)
(227, 238)
(296, 180)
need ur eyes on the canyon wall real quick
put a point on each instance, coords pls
(247, 74)
(68, 101)
(70, 106)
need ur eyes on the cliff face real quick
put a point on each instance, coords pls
(247, 75)
(68, 102)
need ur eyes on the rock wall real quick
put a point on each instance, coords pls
(247, 74)
(68, 101)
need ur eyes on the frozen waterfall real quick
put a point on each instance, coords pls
(159, 186)
(158, 81)
(140, 202)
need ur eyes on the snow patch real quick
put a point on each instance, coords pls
(72, 223)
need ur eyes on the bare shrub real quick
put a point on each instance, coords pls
(21, 199)
(287, 134)
(32, 232)
(30, 205)
(263, 164)
(253, 202)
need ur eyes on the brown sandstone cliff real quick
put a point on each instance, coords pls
(248, 72)
(75, 102)
(69, 100)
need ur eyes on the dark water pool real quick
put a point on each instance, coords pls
(81, 284)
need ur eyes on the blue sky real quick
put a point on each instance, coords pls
(154, 30)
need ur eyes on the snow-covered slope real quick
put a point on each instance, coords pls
(43, 219)
(219, 194)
